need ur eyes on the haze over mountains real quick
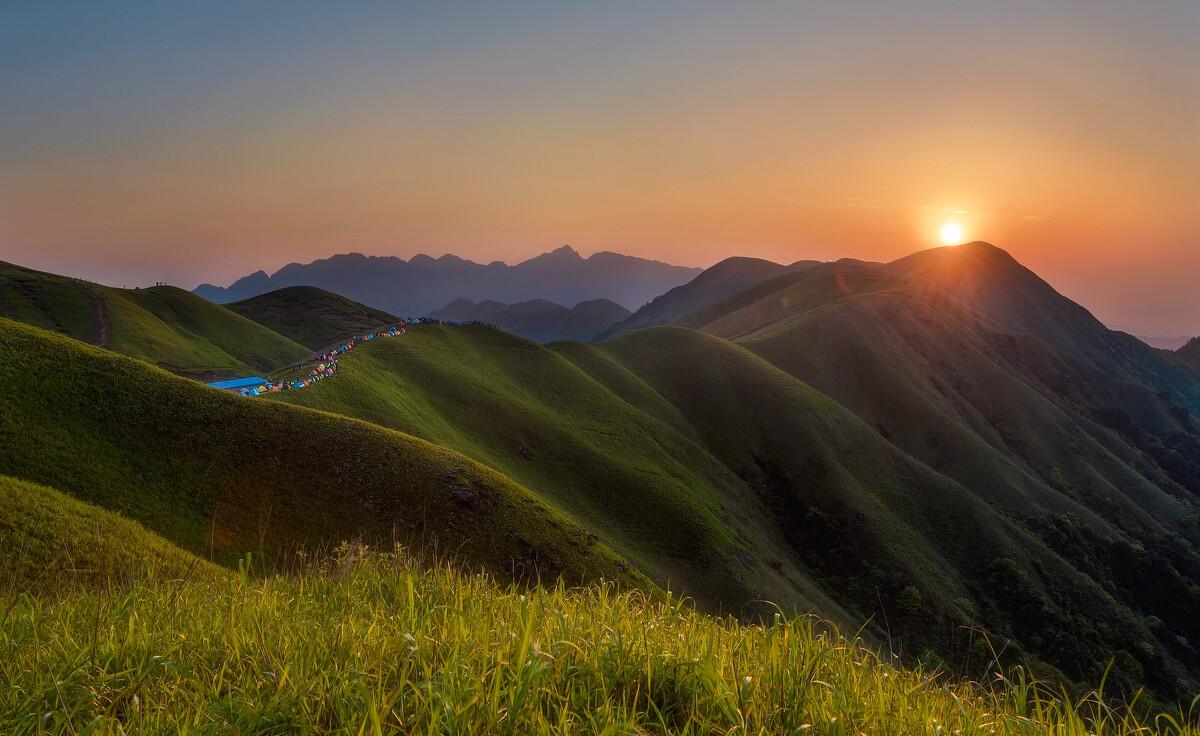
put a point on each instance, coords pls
(943, 443)
(422, 284)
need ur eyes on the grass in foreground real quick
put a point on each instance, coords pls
(373, 645)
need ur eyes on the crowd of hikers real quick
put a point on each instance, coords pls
(323, 365)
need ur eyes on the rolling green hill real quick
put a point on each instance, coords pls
(166, 326)
(721, 280)
(990, 281)
(221, 476)
(534, 415)
(819, 503)
(53, 543)
(538, 319)
(313, 317)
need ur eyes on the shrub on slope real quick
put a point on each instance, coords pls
(221, 476)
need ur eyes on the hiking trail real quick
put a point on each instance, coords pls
(101, 316)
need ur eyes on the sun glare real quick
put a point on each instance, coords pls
(952, 233)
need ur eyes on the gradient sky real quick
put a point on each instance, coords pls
(189, 142)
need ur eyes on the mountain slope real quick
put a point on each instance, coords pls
(222, 476)
(538, 319)
(990, 281)
(728, 277)
(163, 325)
(422, 284)
(53, 542)
(535, 416)
(313, 317)
(1190, 353)
(895, 523)
(736, 462)
(1086, 462)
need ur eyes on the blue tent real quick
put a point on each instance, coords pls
(236, 383)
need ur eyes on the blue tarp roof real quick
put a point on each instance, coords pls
(239, 382)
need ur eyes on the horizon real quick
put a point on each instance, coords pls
(192, 145)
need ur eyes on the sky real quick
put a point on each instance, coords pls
(190, 142)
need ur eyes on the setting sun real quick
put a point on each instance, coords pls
(952, 233)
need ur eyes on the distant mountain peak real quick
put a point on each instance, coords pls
(561, 254)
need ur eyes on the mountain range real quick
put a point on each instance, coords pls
(423, 284)
(928, 449)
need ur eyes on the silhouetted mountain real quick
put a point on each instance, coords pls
(421, 284)
(1191, 352)
(727, 277)
(538, 319)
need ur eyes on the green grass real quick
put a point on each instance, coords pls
(536, 417)
(905, 516)
(166, 326)
(375, 645)
(221, 476)
(53, 543)
(1077, 468)
(310, 316)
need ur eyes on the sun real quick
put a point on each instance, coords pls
(952, 233)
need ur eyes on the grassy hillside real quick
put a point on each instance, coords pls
(166, 326)
(376, 646)
(535, 416)
(868, 512)
(538, 319)
(54, 543)
(785, 492)
(221, 476)
(313, 317)
(728, 277)
(990, 281)
(1091, 466)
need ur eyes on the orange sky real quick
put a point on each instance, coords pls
(202, 144)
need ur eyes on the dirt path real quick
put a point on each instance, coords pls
(101, 316)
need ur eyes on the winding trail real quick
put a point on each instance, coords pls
(104, 328)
